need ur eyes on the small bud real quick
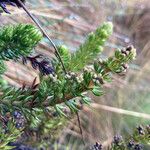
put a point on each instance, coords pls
(95, 76)
(131, 144)
(129, 48)
(125, 66)
(55, 75)
(54, 79)
(97, 146)
(100, 61)
(68, 76)
(97, 82)
(133, 53)
(85, 69)
(140, 130)
(88, 69)
(51, 76)
(63, 50)
(124, 55)
(117, 139)
(124, 52)
(138, 147)
(72, 74)
(79, 78)
(148, 129)
(127, 52)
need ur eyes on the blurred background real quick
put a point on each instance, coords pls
(126, 102)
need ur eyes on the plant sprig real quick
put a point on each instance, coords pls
(56, 90)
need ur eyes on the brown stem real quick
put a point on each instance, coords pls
(44, 33)
(80, 127)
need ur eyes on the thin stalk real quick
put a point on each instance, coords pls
(44, 33)
(80, 127)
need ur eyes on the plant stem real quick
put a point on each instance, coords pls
(44, 33)
(80, 127)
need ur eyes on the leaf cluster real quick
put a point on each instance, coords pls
(57, 91)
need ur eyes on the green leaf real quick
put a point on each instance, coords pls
(59, 110)
(97, 91)
(86, 100)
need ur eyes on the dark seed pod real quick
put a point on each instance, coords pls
(131, 144)
(117, 139)
(125, 66)
(97, 146)
(129, 48)
(140, 130)
(124, 52)
(138, 147)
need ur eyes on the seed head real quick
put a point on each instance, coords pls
(140, 130)
(97, 146)
(131, 144)
(138, 147)
(117, 139)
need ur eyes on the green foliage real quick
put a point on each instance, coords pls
(57, 88)
(64, 94)
(66, 56)
(91, 48)
(13, 98)
(2, 67)
(8, 134)
(18, 41)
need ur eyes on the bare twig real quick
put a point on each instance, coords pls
(80, 127)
